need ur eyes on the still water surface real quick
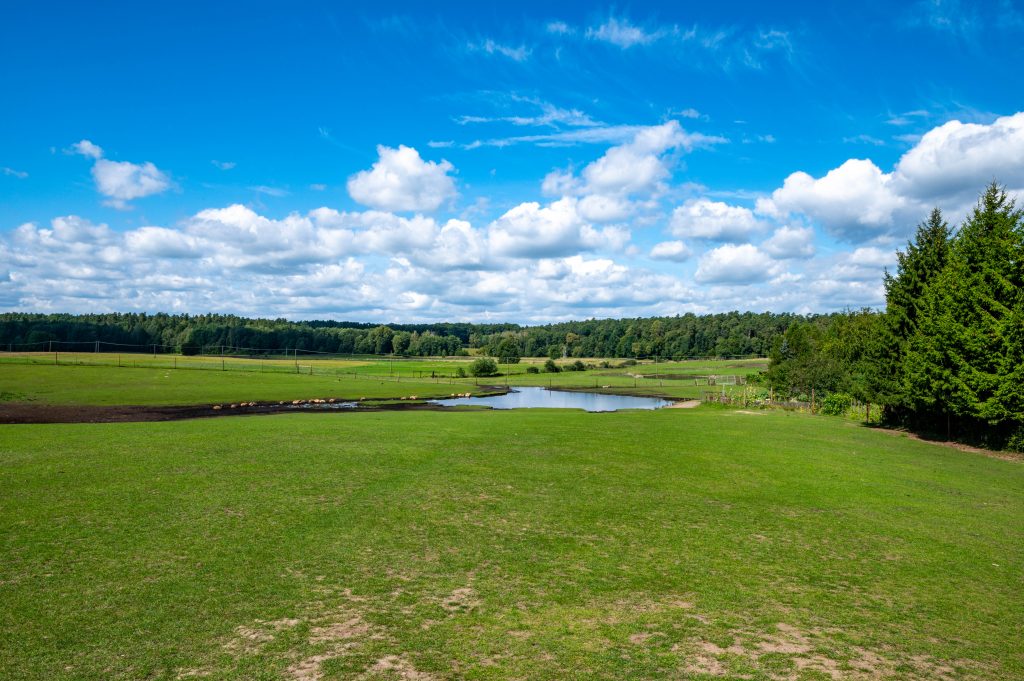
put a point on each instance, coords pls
(542, 398)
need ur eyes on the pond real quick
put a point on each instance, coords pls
(542, 398)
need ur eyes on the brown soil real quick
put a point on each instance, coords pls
(23, 412)
(686, 404)
(1004, 456)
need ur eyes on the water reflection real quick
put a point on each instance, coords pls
(542, 398)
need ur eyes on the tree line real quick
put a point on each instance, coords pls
(947, 355)
(689, 335)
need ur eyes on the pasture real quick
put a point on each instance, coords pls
(109, 378)
(694, 544)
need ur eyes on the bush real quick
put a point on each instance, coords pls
(1016, 441)
(460, 373)
(577, 366)
(484, 366)
(836, 404)
(628, 363)
(551, 367)
(532, 370)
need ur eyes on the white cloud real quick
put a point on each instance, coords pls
(790, 242)
(532, 231)
(559, 183)
(11, 172)
(675, 251)
(87, 148)
(121, 181)
(402, 181)
(559, 28)
(162, 242)
(957, 158)
(714, 221)
(621, 33)
(855, 201)
(224, 165)
(638, 166)
(518, 53)
(948, 167)
(276, 192)
(732, 264)
(600, 208)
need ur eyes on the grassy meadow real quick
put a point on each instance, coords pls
(704, 543)
(107, 378)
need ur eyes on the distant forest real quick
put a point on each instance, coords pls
(714, 335)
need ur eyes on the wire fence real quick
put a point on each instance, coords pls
(318, 363)
(220, 358)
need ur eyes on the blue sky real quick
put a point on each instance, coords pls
(523, 162)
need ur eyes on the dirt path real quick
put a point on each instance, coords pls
(687, 404)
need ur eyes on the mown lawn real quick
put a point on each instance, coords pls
(697, 544)
(106, 378)
(110, 385)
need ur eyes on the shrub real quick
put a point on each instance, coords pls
(1016, 441)
(460, 373)
(484, 366)
(836, 404)
(532, 370)
(551, 367)
(577, 366)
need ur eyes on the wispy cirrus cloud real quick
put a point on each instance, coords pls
(519, 53)
(727, 47)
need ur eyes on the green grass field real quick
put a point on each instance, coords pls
(88, 384)
(702, 543)
(88, 378)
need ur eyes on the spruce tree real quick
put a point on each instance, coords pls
(917, 268)
(959, 354)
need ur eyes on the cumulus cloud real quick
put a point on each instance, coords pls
(713, 221)
(855, 201)
(790, 242)
(735, 264)
(957, 158)
(538, 261)
(639, 165)
(676, 251)
(121, 181)
(87, 148)
(948, 167)
(402, 181)
(532, 231)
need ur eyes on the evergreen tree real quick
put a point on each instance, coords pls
(960, 351)
(916, 269)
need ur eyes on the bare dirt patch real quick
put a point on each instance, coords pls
(685, 404)
(460, 600)
(806, 652)
(394, 666)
